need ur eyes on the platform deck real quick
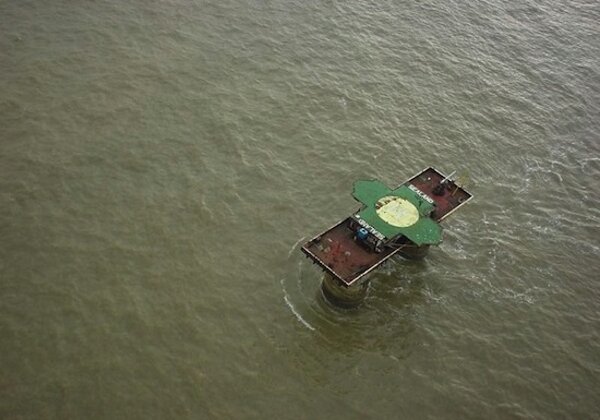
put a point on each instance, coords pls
(341, 256)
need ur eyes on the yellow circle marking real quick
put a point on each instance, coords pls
(397, 211)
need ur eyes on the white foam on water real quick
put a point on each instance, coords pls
(286, 298)
(293, 248)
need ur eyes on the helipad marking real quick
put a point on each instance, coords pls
(397, 211)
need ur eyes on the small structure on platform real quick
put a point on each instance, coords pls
(402, 221)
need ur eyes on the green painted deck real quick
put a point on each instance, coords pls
(397, 212)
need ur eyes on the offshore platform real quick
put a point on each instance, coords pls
(403, 221)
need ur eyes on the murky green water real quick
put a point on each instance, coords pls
(161, 161)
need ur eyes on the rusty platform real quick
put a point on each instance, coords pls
(340, 255)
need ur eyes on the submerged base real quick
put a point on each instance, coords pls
(414, 252)
(339, 295)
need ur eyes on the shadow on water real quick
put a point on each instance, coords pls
(384, 323)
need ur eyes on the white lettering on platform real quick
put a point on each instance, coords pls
(421, 193)
(370, 228)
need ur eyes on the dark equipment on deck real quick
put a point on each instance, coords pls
(404, 221)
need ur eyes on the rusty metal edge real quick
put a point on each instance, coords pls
(362, 275)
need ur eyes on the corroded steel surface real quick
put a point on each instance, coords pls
(453, 196)
(349, 261)
(340, 255)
